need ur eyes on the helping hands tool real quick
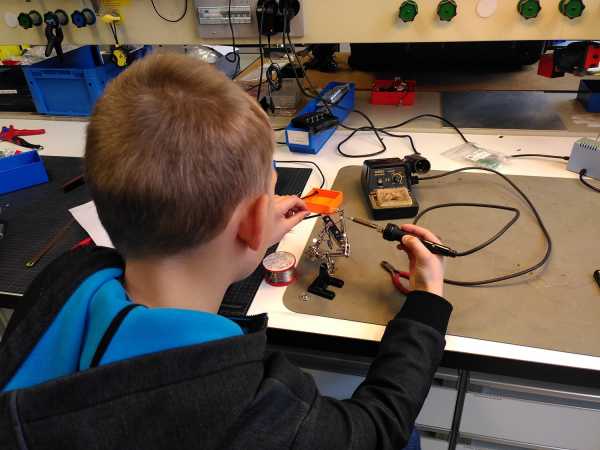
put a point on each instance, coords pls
(393, 232)
(397, 276)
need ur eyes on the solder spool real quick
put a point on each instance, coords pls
(280, 268)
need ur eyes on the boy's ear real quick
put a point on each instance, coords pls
(254, 222)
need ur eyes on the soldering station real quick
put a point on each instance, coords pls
(478, 120)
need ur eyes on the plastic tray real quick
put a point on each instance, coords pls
(589, 95)
(71, 87)
(21, 171)
(301, 141)
(323, 201)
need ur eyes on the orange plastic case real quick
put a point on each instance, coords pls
(323, 201)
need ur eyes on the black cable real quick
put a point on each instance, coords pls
(113, 29)
(236, 56)
(371, 127)
(304, 162)
(582, 173)
(535, 212)
(539, 155)
(166, 19)
(493, 239)
(274, 83)
(262, 58)
(251, 87)
(317, 96)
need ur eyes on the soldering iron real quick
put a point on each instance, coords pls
(393, 232)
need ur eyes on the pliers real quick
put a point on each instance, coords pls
(397, 276)
(11, 134)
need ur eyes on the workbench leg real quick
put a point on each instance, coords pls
(462, 387)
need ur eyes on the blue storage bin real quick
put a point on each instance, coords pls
(21, 171)
(589, 95)
(301, 141)
(71, 87)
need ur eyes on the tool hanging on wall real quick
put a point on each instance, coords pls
(85, 17)
(54, 33)
(120, 56)
(30, 19)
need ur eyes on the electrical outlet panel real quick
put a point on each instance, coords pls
(219, 15)
(213, 19)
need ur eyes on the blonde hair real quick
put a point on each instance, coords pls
(173, 146)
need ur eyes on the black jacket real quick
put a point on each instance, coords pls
(219, 395)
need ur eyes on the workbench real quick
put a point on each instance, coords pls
(326, 345)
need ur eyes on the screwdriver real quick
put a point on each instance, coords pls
(393, 232)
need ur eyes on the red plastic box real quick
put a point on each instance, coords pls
(404, 97)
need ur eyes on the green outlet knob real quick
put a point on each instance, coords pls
(571, 8)
(447, 10)
(529, 9)
(408, 11)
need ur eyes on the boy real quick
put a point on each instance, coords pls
(129, 353)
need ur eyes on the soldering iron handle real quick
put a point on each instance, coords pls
(394, 233)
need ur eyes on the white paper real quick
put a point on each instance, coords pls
(87, 216)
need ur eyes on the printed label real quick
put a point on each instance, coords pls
(298, 137)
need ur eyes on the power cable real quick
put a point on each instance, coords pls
(166, 19)
(534, 210)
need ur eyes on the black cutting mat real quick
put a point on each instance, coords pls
(239, 296)
(36, 214)
(502, 109)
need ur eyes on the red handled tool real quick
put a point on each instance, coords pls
(12, 135)
(397, 277)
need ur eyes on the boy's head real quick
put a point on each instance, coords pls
(173, 148)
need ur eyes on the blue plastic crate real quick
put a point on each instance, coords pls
(301, 141)
(21, 171)
(589, 95)
(71, 87)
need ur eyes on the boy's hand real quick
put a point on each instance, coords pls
(426, 269)
(289, 211)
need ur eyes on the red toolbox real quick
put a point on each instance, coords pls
(393, 92)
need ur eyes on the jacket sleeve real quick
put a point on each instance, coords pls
(382, 410)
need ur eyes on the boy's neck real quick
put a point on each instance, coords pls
(184, 281)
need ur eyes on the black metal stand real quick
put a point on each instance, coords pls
(322, 282)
